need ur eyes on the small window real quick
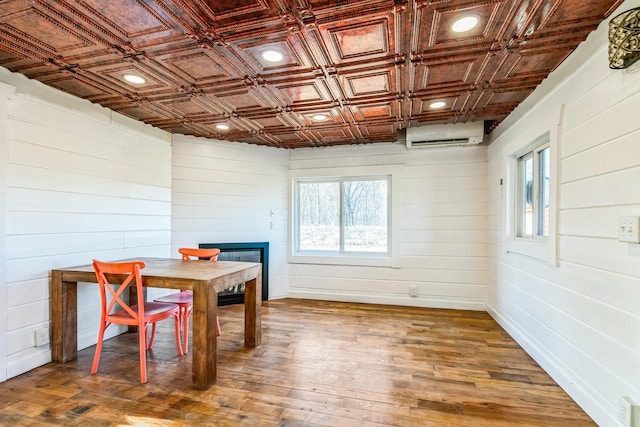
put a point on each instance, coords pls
(342, 216)
(533, 193)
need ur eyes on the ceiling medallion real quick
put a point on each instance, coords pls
(624, 39)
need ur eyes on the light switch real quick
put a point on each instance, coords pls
(629, 229)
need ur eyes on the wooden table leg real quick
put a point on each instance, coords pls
(252, 310)
(64, 318)
(205, 342)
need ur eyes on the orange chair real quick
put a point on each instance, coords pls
(115, 310)
(184, 299)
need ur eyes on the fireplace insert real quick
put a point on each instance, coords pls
(246, 252)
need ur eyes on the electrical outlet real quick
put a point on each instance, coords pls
(41, 337)
(413, 290)
(629, 229)
(627, 412)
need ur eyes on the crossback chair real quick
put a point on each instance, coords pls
(116, 310)
(184, 298)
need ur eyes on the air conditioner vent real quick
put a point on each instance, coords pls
(455, 141)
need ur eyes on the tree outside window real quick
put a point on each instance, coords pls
(342, 215)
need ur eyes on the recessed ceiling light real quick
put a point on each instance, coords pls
(465, 23)
(135, 79)
(522, 16)
(437, 104)
(272, 55)
(319, 117)
(222, 126)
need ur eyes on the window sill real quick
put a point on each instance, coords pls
(533, 248)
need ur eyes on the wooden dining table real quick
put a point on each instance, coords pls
(204, 278)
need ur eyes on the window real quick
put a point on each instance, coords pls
(533, 171)
(530, 198)
(342, 216)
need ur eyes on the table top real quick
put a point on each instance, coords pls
(168, 272)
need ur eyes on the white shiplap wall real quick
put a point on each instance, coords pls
(81, 182)
(6, 92)
(224, 192)
(439, 220)
(580, 319)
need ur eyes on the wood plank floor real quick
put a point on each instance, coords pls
(319, 364)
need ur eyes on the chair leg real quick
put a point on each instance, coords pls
(184, 317)
(142, 339)
(177, 328)
(185, 314)
(96, 356)
(153, 335)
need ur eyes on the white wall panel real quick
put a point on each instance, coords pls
(415, 235)
(224, 192)
(6, 93)
(419, 195)
(459, 263)
(445, 173)
(611, 189)
(592, 222)
(68, 181)
(81, 183)
(425, 208)
(441, 224)
(608, 254)
(444, 249)
(585, 135)
(38, 313)
(460, 222)
(576, 319)
(27, 292)
(601, 159)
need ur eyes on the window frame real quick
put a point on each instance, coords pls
(535, 193)
(340, 180)
(387, 259)
(542, 248)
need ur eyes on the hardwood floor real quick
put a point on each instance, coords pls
(319, 364)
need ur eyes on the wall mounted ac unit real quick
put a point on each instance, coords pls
(445, 134)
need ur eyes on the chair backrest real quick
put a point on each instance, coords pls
(188, 253)
(111, 293)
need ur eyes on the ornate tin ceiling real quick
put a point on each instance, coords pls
(371, 67)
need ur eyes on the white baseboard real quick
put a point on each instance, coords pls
(573, 384)
(27, 360)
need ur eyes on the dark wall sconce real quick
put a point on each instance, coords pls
(624, 39)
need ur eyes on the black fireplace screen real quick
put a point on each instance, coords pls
(246, 252)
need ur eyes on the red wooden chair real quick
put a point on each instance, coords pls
(184, 299)
(114, 309)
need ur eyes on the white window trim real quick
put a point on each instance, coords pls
(360, 259)
(540, 248)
